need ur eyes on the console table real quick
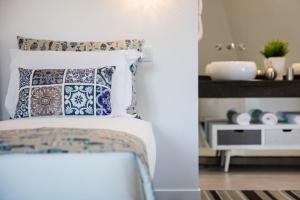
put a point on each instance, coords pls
(225, 137)
(243, 89)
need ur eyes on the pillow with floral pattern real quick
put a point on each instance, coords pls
(64, 92)
(30, 44)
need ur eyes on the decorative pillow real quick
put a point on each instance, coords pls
(121, 82)
(53, 45)
(68, 92)
(132, 109)
(30, 44)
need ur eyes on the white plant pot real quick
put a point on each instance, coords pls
(279, 65)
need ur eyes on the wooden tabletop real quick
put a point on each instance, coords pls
(244, 89)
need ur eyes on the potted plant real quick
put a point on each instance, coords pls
(274, 52)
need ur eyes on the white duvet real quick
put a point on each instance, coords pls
(119, 178)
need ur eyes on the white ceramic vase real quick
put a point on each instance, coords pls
(296, 68)
(279, 65)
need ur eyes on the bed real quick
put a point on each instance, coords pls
(112, 175)
(75, 132)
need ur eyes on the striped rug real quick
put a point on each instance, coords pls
(250, 195)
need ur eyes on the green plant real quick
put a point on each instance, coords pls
(275, 48)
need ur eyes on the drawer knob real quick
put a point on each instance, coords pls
(239, 131)
(287, 130)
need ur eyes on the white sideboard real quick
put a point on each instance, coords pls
(225, 137)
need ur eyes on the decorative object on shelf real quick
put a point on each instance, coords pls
(238, 118)
(260, 72)
(270, 72)
(290, 74)
(296, 68)
(231, 70)
(260, 117)
(275, 52)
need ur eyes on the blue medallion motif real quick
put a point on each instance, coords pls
(69, 92)
(79, 100)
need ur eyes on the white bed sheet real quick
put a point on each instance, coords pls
(105, 176)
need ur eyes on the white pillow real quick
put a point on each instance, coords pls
(121, 82)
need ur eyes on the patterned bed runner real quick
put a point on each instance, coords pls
(250, 195)
(62, 140)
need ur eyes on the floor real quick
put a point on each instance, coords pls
(250, 178)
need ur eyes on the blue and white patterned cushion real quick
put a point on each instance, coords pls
(68, 92)
(132, 109)
(31, 44)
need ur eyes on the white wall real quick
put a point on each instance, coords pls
(167, 87)
(253, 23)
(256, 22)
(216, 31)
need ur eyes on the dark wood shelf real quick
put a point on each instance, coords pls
(247, 89)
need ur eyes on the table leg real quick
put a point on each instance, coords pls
(222, 157)
(227, 160)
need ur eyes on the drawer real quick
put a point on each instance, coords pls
(282, 137)
(239, 137)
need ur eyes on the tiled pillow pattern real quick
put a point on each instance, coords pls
(30, 44)
(69, 92)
